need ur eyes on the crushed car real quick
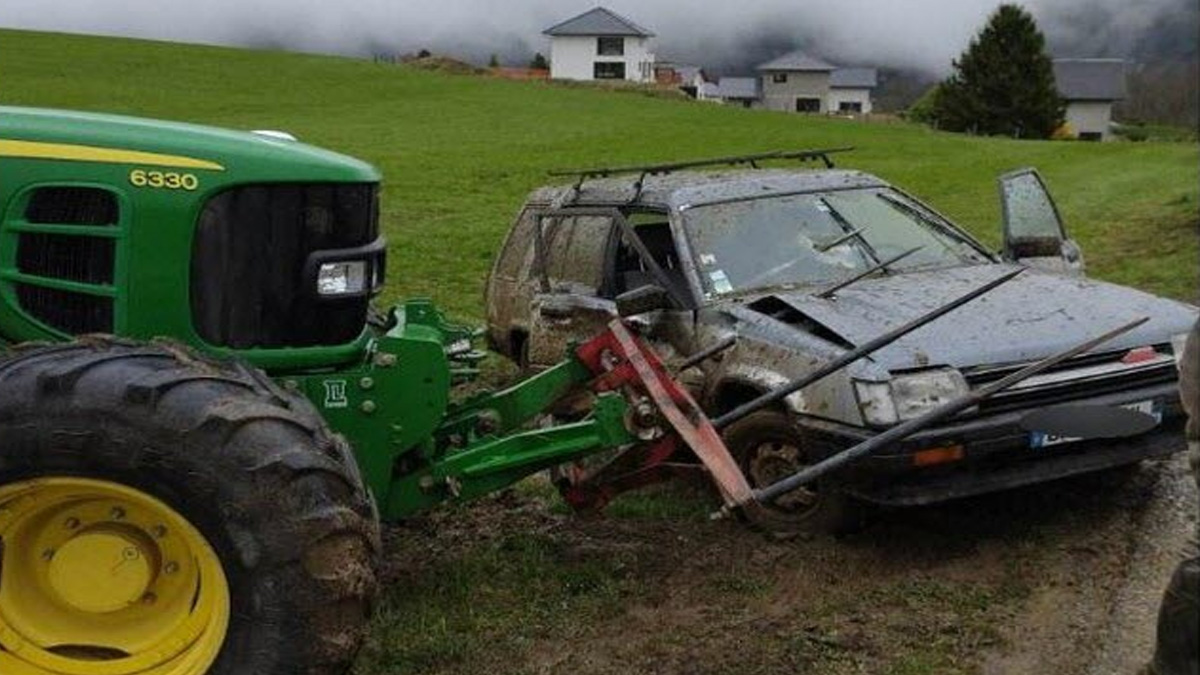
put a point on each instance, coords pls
(790, 267)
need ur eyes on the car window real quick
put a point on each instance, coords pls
(814, 238)
(574, 249)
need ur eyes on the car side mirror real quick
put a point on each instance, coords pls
(642, 299)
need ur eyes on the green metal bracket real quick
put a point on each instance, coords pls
(493, 463)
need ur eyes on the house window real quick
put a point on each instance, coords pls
(808, 105)
(779, 78)
(850, 107)
(606, 70)
(610, 46)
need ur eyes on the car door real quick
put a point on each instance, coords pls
(568, 306)
(1034, 233)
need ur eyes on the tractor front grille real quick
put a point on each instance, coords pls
(83, 253)
(248, 284)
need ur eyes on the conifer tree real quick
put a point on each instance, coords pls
(1003, 84)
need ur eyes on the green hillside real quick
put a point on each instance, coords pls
(460, 152)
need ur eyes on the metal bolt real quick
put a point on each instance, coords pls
(291, 385)
(385, 360)
(48, 555)
(159, 531)
(171, 567)
(72, 524)
(366, 383)
(117, 513)
(368, 406)
(149, 599)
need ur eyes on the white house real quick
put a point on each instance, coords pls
(850, 90)
(743, 91)
(600, 45)
(1090, 87)
(797, 82)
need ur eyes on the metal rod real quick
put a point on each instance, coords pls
(707, 353)
(856, 354)
(840, 240)
(653, 169)
(882, 265)
(896, 433)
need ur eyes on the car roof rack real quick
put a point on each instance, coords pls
(647, 170)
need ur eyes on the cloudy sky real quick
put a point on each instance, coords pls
(918, 34)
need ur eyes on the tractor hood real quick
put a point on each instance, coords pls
(224, 155)
(1030, 317)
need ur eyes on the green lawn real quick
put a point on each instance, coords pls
(493, 589)
(460, 152)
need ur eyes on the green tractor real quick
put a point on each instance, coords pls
(192, 504)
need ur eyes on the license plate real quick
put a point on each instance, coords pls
(1041, 439)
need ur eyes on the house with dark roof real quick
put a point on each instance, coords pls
(743, 91)
(798, 82)
(850, 90)
(1090, 87)
(600, 45)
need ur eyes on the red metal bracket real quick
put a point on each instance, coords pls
(623, 361)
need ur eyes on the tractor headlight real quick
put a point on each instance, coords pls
(342, 278)
(909, 395)
(347, 273)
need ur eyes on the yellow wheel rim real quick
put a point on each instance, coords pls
(97, 578)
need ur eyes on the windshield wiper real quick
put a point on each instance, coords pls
(851, 231)
(828, 292)
(822, 248)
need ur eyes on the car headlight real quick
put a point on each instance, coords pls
(1178, 345)
(875, 402)
(909, 395)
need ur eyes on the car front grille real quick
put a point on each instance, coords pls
(1080, 378)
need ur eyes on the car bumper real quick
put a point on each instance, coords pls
(997, 453)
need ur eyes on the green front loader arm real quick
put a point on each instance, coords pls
(416, 448)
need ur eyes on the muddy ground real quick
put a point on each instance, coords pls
(1061, 578)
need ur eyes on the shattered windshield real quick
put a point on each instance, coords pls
(817, 238)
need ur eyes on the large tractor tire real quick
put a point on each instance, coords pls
(163, 514)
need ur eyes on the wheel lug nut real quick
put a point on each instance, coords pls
(48, 554)
(160, 531)
(149, 599)
(171, 567)
(72, 523)
(117, 513)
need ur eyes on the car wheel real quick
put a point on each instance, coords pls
(769, 447)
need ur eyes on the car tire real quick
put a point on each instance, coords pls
(768, 446)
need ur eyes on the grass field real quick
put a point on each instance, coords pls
(483, 590)
(460, 152)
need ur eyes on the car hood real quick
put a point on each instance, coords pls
(1030, 317)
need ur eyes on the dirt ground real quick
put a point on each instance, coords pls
(1061, 578)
